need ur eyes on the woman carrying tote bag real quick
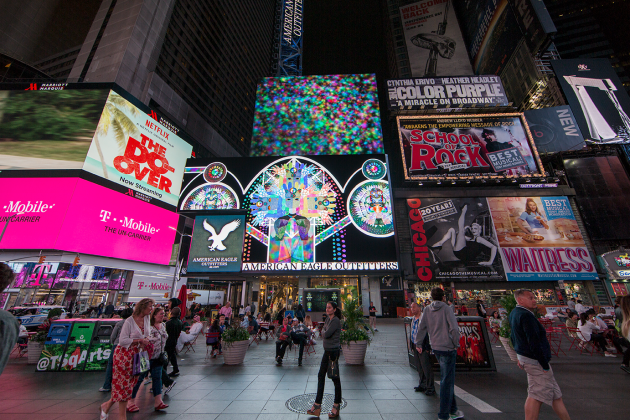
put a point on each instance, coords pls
(132, 340)
(331, 333)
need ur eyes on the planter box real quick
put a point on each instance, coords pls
(508, 348)
(34, 351)
(354, 352)
(234, 354)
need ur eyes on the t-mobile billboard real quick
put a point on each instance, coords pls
(75, 215)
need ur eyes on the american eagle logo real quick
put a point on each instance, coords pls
(217, 239)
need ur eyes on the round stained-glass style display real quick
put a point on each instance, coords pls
(211, 197)
(215, 172)
(370, 208)
(374, 169)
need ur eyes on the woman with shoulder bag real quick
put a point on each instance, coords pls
(157, 358)
(331, 333)
(132, 340)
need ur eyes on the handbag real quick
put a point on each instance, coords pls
(162, 359)
(141, 362)
(333, 368)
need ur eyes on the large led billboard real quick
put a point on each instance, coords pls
(495, 238)
(217, 244)
(304, 214)
(134, 150)
(554, 129)
(468, 146)
(434, 42)
(48, 129)
(597, 97)
(317, 115)
(72, 214)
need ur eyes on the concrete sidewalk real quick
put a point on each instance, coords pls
(594, 387)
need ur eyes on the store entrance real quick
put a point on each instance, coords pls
(390, 300)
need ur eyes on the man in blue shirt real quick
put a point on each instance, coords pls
(532, 348)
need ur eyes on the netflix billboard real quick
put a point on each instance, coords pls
(467, 146)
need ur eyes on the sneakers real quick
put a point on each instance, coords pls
(279, 360)
(457, 415)
(168, 388)
(419, 388)
(299, 362)
(174, 373)
(104, 389)
(609, 355)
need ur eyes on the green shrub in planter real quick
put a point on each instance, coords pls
(233, 334)
(353, 322)
(508, 302)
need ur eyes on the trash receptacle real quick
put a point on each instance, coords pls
(54, 347)
(100, 347)
(76, 352)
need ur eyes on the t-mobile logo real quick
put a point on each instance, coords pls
(105, 215)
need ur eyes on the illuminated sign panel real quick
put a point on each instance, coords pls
(317, 115)
(217, 244)
(318, 213)
(134, 150)
(467, 146)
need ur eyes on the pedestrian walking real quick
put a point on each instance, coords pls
(426, 383)
(439, 322)
(372, 317)
(174, 327)
(133, 338)
(113, 339)
(532, 348)
(157, 337)
(9, 327)
(331, 333)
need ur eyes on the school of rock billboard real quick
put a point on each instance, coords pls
(446, 92)
(496, 238)
(434, 42)
(468, 146)
(597, 97)
(304, 214)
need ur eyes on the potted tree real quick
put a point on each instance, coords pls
(235, 340)
(508, 302)
(36, 344)
(354, 335)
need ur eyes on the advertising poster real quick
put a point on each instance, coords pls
(617, 263)
(597, 97)
(472, 351)
(48, 129)
(491, 32)
(101, 347)
(217, 244)
(554, 129)
(539, 239)
(316, 300)
(454, 240)
(116, 225)
(134, 150)
(434, 42)
(535, 22)
(75, 356)
(468, 145)
(445, 92)
(304, 214)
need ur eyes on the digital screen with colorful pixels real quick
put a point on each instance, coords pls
(317, 115)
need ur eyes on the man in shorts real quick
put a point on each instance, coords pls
(532, 348)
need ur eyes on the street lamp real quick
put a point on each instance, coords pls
(177, 267)
(7, 223)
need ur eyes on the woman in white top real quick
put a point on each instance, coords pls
(132, 339)
(590, 332)
(157, 337)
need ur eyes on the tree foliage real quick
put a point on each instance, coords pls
(354, 323)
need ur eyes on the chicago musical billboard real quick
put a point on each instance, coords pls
(497, 238)
(435, 147)
(316, 213)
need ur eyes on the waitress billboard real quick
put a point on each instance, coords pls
(72, 214)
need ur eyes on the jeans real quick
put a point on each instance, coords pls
(108, 372)
(166, 380)
(619, 342)
(425, 372)
(172, 358)
(156, 381)
(599, 341)
(281, 347)
(299, 339)
(321, 377)
(448, 405)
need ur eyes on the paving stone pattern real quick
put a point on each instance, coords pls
(594, 387)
